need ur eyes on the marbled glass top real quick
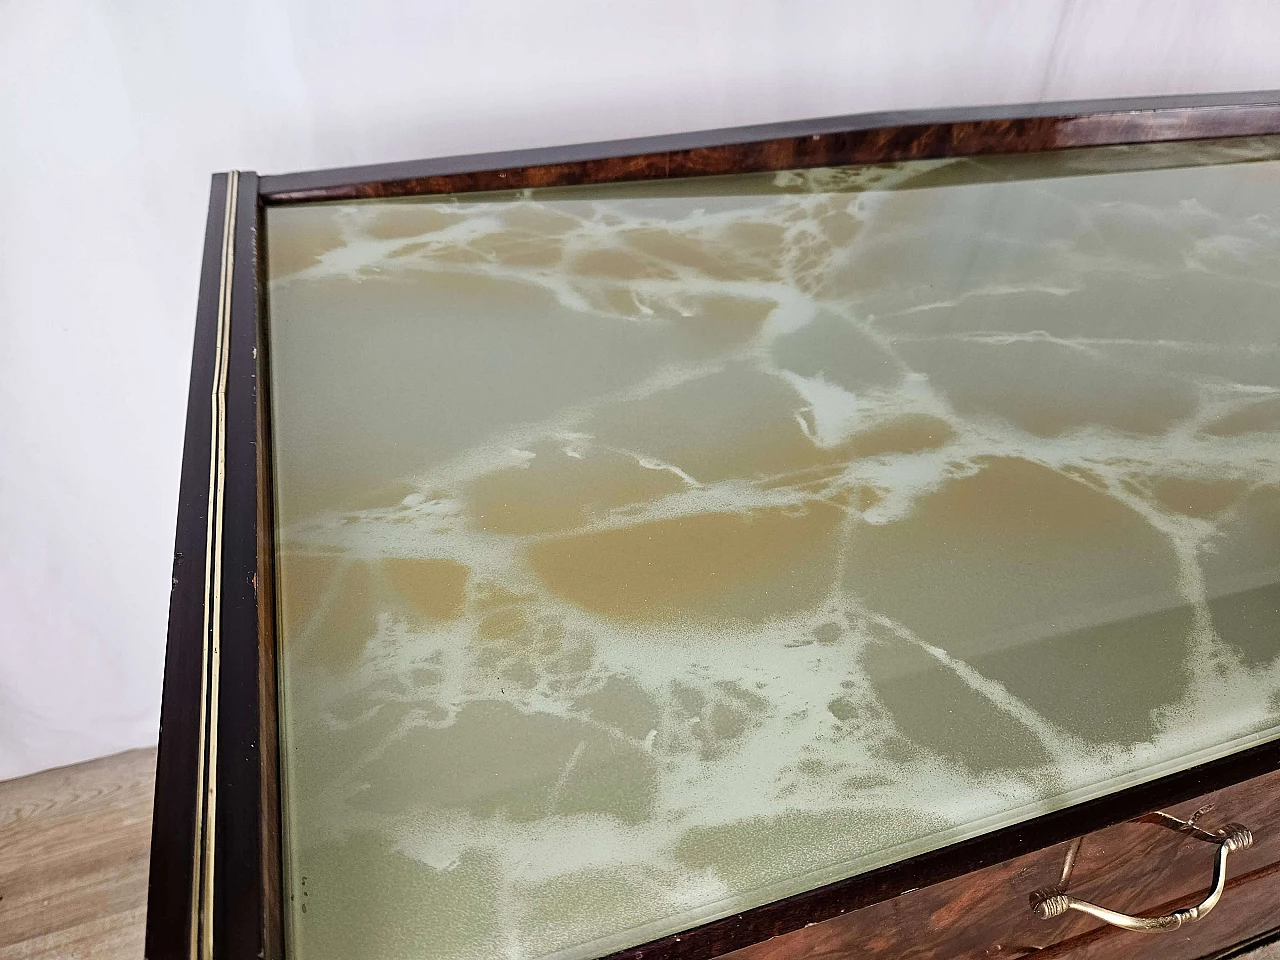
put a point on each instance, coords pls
(648, 552)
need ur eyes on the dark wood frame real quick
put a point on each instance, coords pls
(246, 863)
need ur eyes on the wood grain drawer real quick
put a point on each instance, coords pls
(1135, 867)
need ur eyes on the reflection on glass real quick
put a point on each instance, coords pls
(649, 552)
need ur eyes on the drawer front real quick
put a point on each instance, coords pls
(1138, 868)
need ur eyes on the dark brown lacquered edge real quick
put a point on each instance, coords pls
(268, 690)
(246, 857)
(168, 934)
(866, 138)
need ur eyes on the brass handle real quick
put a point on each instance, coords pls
(1055, 902)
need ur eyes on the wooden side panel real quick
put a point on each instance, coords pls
(237, 740)
(169, 900)
(1134, 867)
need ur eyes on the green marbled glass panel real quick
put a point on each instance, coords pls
(648, 552)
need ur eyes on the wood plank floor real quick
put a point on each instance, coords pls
(73, 861)
(74, 845)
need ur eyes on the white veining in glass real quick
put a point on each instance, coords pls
(648, 552)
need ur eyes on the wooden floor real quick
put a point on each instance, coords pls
(74, 845)
(73, 861)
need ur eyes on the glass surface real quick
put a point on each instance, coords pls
(648, 552)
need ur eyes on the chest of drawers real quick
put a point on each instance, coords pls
(856, 537)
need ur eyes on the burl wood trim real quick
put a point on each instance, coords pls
(882, 144)
(1134, 867)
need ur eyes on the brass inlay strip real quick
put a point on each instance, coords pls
(211, 651)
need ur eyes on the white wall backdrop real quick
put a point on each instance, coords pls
(113, 113)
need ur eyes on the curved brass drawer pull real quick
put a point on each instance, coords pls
(1055, 902)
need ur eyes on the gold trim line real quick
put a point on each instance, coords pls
(201, 947)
